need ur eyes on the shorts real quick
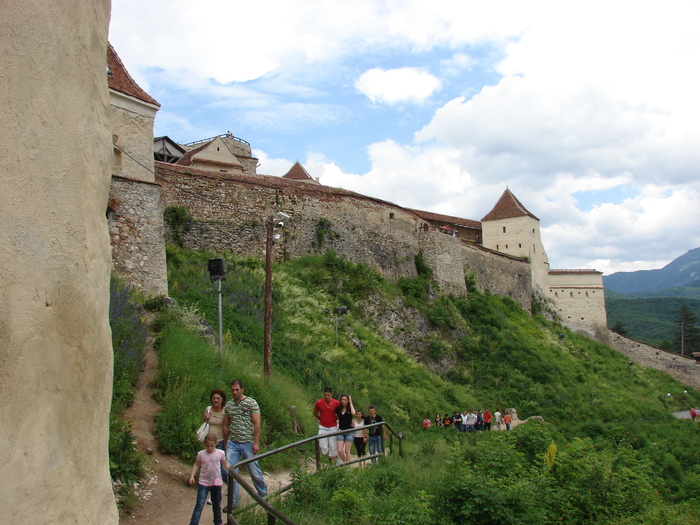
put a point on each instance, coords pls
(346, 437)
(328, 445)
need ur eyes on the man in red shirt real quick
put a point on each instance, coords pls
(324, 411)
(487, 420)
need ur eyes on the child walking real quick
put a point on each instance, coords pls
(211, 459)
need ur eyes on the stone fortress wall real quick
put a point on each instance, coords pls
(683, 368)
(135, 213)
(229, 213)
(579, 299)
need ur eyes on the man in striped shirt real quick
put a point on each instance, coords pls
(242, 436)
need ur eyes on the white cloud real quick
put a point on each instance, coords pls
(271, 166)
(458, 63)
(395, 86)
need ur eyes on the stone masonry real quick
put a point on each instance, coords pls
(682, 368)
(136, 234)
(229, 213)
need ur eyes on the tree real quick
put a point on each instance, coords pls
(686, 336)
(619, 328)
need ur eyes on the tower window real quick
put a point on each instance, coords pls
(504, 229)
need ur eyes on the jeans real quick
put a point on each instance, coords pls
(236, 452)
(375, 446)
(202, 492)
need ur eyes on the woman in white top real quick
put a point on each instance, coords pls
(359, 434)
(215, 415)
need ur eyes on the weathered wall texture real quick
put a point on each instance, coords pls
(55, 349)
(444, 254)
(229, 214)
(242, 151)
(500, 274)
(132, 130)
(579, 299)
(684, 369)
(136, 234)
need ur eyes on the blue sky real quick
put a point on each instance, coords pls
(587, 111)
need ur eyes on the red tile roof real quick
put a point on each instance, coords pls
(447, 219)
(507, 207)
(297, 172)
(186, 159)
(120, 80)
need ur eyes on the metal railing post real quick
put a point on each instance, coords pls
(272, 513)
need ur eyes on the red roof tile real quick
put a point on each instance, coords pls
(120, 80)
(297, 172)
(456, 221)
(507, 207)
(186, 159)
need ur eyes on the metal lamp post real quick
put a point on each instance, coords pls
(338, 311)
(217, 273)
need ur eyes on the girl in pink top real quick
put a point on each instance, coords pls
(210, 460)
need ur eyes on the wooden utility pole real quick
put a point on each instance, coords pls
(268, 299)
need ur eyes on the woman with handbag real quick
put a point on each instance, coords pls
(214, 415)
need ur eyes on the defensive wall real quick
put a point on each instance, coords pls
(229, 212)
(683, 368)
(135, 213)
(579, 299)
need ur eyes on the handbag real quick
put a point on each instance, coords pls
(203, 430)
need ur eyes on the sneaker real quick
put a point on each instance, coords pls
(209, 501)
(338, 461)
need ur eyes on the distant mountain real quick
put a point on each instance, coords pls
(672, 279)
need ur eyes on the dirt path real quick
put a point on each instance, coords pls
(165, 497)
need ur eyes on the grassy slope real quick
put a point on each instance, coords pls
(501, 358)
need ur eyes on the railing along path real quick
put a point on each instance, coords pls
(272, 513)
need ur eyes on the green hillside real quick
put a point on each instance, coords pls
(609, 450)
(648, 319)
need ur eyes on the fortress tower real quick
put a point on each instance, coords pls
(575, 296)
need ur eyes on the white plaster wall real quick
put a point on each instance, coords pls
(132, 126)
(217, 153)
(579, 299)
(55, 348)
(521, 239)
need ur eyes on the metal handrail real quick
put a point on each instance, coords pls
(228, 135)
(273, 513)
